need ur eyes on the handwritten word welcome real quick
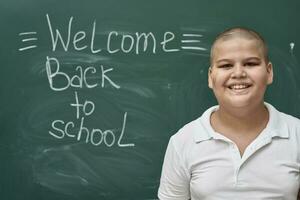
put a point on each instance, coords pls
(128, 43)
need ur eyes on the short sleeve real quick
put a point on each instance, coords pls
(174, 181)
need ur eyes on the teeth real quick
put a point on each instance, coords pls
(238, 87)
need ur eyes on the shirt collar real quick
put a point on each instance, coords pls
(276, 126)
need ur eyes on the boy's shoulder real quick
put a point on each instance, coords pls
(186, 133)
(290, 121)
(196, 130)
(286, 123)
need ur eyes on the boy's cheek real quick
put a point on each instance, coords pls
(210, 81)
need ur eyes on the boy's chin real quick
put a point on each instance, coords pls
(239, 102)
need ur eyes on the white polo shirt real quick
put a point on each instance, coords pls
(201, 164)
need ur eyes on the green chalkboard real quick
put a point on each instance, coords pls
(91, 91)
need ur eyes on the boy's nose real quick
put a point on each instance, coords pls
(238, 72)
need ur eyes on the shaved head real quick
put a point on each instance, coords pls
(239, 32)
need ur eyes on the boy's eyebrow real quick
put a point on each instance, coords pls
(228, 60)
(253, 58)
(223, 60)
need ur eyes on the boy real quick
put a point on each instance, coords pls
(243, 148)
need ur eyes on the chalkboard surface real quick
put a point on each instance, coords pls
(91, 91)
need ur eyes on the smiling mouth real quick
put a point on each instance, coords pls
(239, 87)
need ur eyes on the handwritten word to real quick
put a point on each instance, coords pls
(61, 129)
(28, 39)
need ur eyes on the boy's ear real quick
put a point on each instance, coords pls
(270, 73)
(209, 77)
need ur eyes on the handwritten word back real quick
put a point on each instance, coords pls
(76, 81)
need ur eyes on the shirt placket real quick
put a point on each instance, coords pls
(249, 151)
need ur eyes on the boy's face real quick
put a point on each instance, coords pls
(239, 73)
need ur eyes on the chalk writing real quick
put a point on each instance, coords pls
(61, 129)
(189, 40)
(167, 40)
(84, 107)
(90, 76)
(77, 81)
(292, 45)
(30, 39)
(136, 42)
(128, 43)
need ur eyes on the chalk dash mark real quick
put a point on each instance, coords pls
(28, 38)
(191, 41)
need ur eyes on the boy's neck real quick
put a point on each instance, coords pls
(241, 120)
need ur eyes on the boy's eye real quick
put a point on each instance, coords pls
(225, 66)
(251, 64)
